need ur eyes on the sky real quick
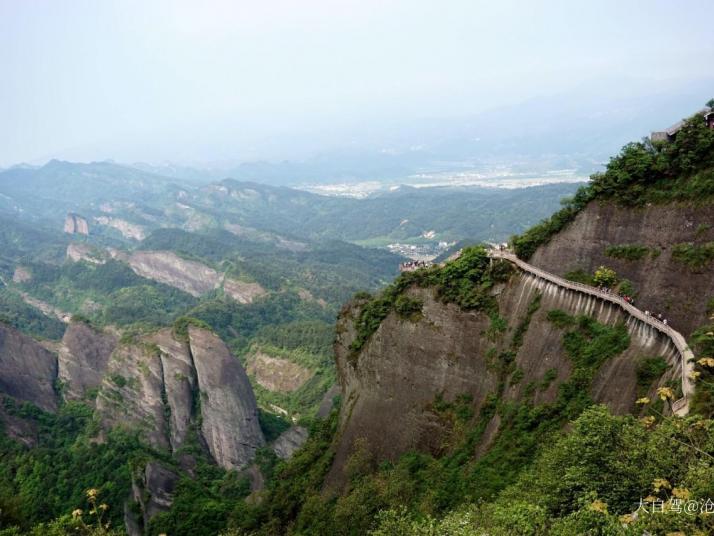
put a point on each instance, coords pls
(189, 82)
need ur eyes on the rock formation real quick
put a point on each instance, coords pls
(76, 224)
(163, 385)
(229, 412)
(190, 276)
(127, 229)
(168, 268)
(290, 441)
(82, 359)
(448, 352)
(83, 252)
(277, 374)
(657, 276)
(21, 275)
(152, 488)
(27, 370)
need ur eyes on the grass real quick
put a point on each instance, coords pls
(630, 252)
(695, 257)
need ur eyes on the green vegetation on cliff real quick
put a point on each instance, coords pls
(630, 252)
(643, 172)
(536, 477)
(465, 281)
(16, 313)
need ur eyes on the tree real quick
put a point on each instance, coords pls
(710, 103)
(604, 276)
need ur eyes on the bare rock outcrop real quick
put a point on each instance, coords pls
(164, 385)
(152, 490)
(76, 224)
(27, 370)
(82, 359)
(228, 407)
(21, 275)
(131, 394)
(83, 252)
(180, 384)
(277, 374)
(242, 291)
(290, 441)
(129, 230)
(190, 276)
(168, 268)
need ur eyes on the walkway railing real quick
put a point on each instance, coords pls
(679, 407)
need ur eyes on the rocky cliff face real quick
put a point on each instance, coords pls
(176, 391)
(82, 359)
(27, 370)
(76, 224)
(277, 374)
(83, 252)
(165, 386)
(21, 275)
(229, 412)
(168, 268)
(190, 276)
(390, 387)
(663, 283)
(127, 229)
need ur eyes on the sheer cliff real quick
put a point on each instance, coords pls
(517, 343)
(174, 388)
(648, 246)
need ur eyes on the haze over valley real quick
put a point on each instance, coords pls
(357, 268)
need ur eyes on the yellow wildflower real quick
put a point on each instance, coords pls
(647, 421)
(599, 506)
(706, 362)
(665, 392)
(92, 493)
(77, 513)
(681, 493)
(626, 519)
(642, 401)
(661, 483)
(650, 499)
(694, 375)
(104, 506)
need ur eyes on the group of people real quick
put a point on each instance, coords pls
(413, 265)
(657, 316)
(631, 301)
(608, 290)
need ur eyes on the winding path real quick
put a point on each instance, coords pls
(679, 407)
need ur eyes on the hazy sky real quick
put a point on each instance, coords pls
(190, 81)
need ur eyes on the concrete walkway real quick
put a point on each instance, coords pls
(681, 406)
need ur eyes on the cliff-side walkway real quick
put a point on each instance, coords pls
(679, 407)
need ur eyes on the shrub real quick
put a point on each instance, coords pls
(626, 287)
(408, 307)
(649, 369)
(604, 276)
(630, 252)
(694, 256)
(579, 276)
